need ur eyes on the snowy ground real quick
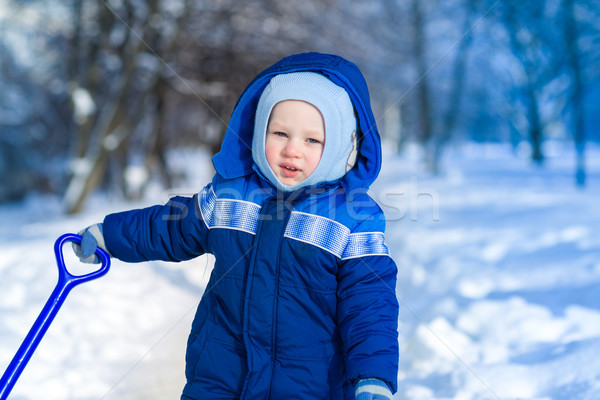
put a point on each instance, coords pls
(499, 279)
(499, 282)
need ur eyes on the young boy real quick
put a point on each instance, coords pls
(301, 302)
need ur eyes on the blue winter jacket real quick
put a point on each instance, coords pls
(301, 302)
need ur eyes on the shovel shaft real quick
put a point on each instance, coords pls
(32, 340)
(66, 282)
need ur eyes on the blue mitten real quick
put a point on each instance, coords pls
(91, 237)
(372, 389)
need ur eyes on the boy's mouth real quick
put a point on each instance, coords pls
(289, 171)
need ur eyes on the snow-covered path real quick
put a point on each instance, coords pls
(499, 275)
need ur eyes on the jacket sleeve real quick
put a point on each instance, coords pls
(368, 308)
(172, 232)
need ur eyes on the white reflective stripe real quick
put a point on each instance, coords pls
(334, 237)
(365, 244)
(228, 213)
(374, 389)
(315, 230)
(206, 202)
(322, 232)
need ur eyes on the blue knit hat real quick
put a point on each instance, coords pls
(339, 153)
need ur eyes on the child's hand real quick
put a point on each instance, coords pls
(372, 389)
(91, 237)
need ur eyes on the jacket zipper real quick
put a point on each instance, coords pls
(287, 213)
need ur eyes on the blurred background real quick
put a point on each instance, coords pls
(97, 93)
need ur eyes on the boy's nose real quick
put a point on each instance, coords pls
(291, 149)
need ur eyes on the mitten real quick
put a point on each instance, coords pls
(91, 237)
(372, 389)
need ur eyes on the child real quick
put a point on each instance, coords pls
(301, 302)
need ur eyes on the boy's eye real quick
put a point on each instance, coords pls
(280, 134)
(310, 140)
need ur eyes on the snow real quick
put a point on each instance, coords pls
(499, 270)
(498, 291)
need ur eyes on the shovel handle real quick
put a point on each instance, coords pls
(66, 282)
(74, 280)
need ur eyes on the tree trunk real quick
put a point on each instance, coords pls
(156, 157)
(423, 100)
(108, 138)
(457, 80)
(535, 127)
(571, 36)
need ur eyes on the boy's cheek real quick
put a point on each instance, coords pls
(272, 161)
(271, 154)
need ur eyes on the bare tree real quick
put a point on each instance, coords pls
(457, 76)
(113, 93)
(532, 41)
(439, 61)
(581, 20)
(33, 107)
(571, 35)
(424, 105)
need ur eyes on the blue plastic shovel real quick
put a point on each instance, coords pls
(66, 282)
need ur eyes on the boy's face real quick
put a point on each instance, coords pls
(295, 140)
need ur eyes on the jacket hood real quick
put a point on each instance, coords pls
(234, 160)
